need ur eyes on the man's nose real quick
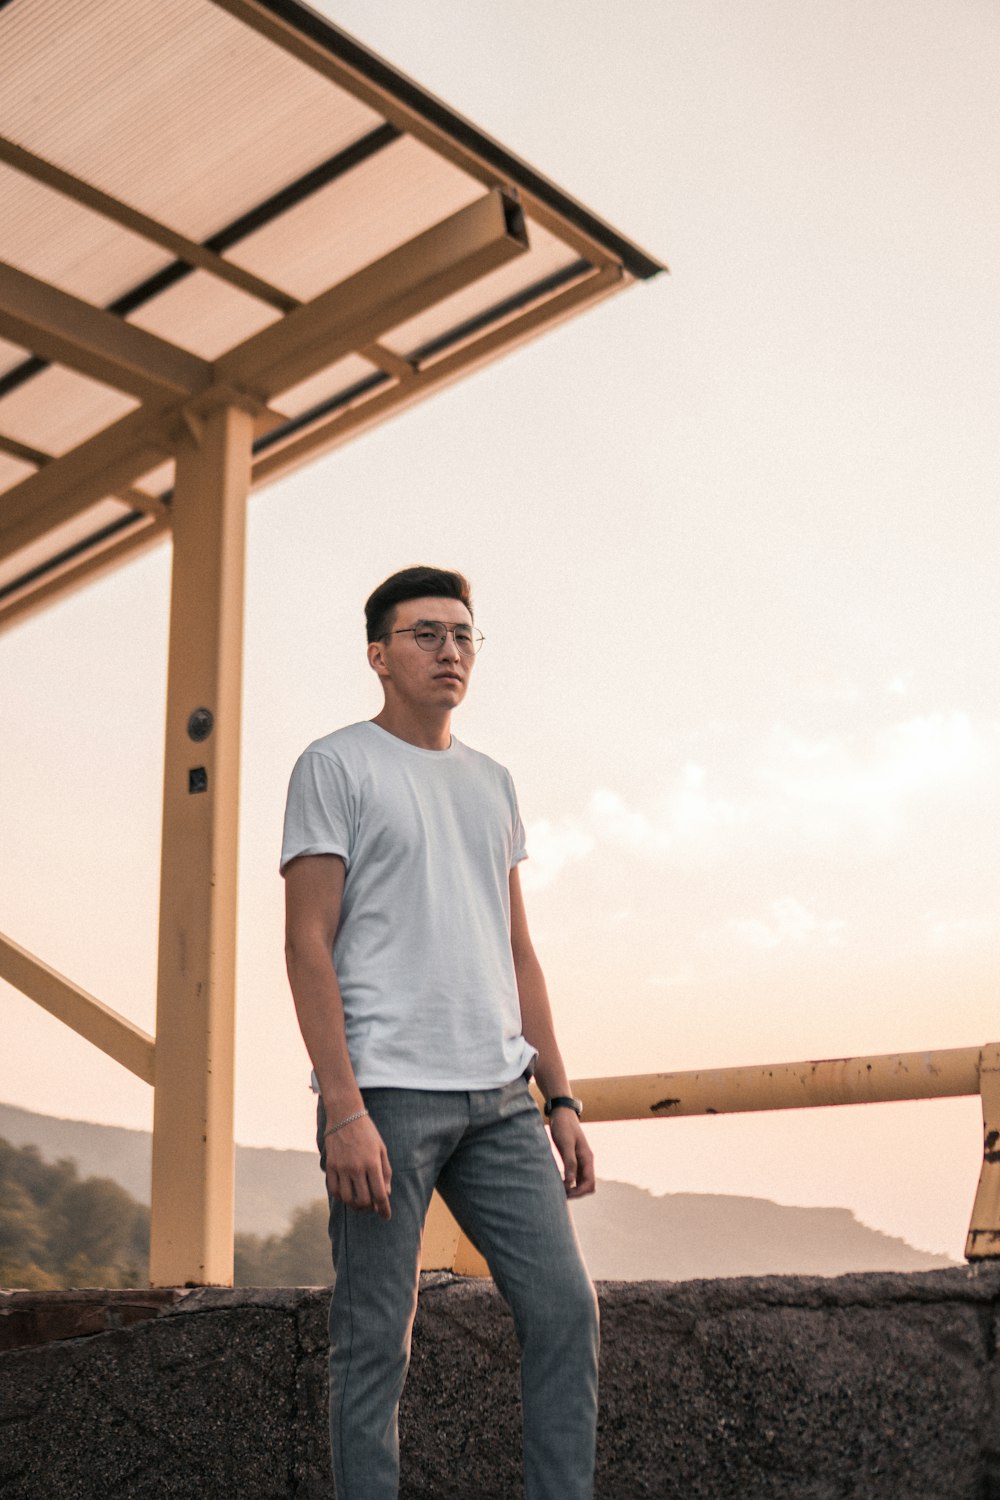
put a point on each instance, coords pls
(448, 648)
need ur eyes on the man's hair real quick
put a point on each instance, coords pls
(412, 583)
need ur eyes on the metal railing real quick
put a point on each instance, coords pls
(887, 1078)
(948, 1073)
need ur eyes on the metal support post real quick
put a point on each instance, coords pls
(445, 1248)
(191, 1238)
(983, 1242)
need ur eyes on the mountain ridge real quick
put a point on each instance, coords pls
(626, 1232)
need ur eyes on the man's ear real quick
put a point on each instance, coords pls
(376, 658)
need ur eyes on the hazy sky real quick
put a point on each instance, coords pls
(733, 537)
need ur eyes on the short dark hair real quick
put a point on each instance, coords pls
(412, 583)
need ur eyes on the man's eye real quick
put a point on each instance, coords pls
(463, 637)
(426, 635)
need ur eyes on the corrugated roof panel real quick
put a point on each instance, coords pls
(60, 539)
(48, 235)
(59, 408)
(196, 120)
(203, 314)
(378, 205)
(171, 105)
(327, 384)
(547, 255)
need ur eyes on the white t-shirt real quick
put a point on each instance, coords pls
(422, 953)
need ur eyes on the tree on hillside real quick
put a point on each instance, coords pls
(60, 1230)
(57, 1230)
(299, 1257)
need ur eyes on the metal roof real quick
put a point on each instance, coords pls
(232, 200)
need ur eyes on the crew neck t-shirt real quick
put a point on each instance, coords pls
(422, 953)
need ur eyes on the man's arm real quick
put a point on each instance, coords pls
(536, 1021)
(357, 1164)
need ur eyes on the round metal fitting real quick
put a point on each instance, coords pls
(200, 724)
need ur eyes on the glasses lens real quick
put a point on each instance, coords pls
(429, 637)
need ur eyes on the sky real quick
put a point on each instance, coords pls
(733, 537)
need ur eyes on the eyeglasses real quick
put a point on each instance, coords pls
(430, 635)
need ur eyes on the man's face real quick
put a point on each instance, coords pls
(424, 679)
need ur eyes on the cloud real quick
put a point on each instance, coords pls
(953, 935)
(788, 924)
(788, 786)
(823, 783)
(689, 813)
(552, 846)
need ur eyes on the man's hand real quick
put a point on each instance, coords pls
(578, 1159)
(357, 1168)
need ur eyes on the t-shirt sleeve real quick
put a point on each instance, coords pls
(319, 813)
(518, 841)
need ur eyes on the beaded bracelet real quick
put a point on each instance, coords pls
(358, 1115)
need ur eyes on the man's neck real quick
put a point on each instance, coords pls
(427, 731)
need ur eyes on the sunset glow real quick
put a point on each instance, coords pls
(733, 538)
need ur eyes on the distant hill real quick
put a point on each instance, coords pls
(627, 1233)
(270, 1185)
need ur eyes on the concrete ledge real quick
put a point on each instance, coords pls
(29, 1318)
(785, 1388)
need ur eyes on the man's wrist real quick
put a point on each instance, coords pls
(563, 1101)
(358, 1114)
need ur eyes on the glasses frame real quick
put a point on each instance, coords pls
(477, 635)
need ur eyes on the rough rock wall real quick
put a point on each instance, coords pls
(876, 1387)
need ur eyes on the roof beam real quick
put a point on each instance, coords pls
(82, 568)
(189, 251)
(357, 311)
(379, 86)
(351, 420)
(349, 316)
(137, 499)
(57, 326)
(388, 361)
(103, 465)
(108, 464)
(23, 451)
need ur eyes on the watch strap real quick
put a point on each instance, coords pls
(563, 1101)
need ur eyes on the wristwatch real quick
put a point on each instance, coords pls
(563, 1101)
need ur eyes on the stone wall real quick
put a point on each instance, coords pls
(876, 1387)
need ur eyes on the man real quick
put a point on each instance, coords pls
(424, 1011)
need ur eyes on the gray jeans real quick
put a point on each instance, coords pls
(488, 1155)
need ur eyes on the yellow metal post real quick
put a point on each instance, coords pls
(983, 1242)
(445, 1248)
(191, 1236)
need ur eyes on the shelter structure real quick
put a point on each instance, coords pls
(230, 239)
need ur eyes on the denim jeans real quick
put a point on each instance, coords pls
(488, 1155)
